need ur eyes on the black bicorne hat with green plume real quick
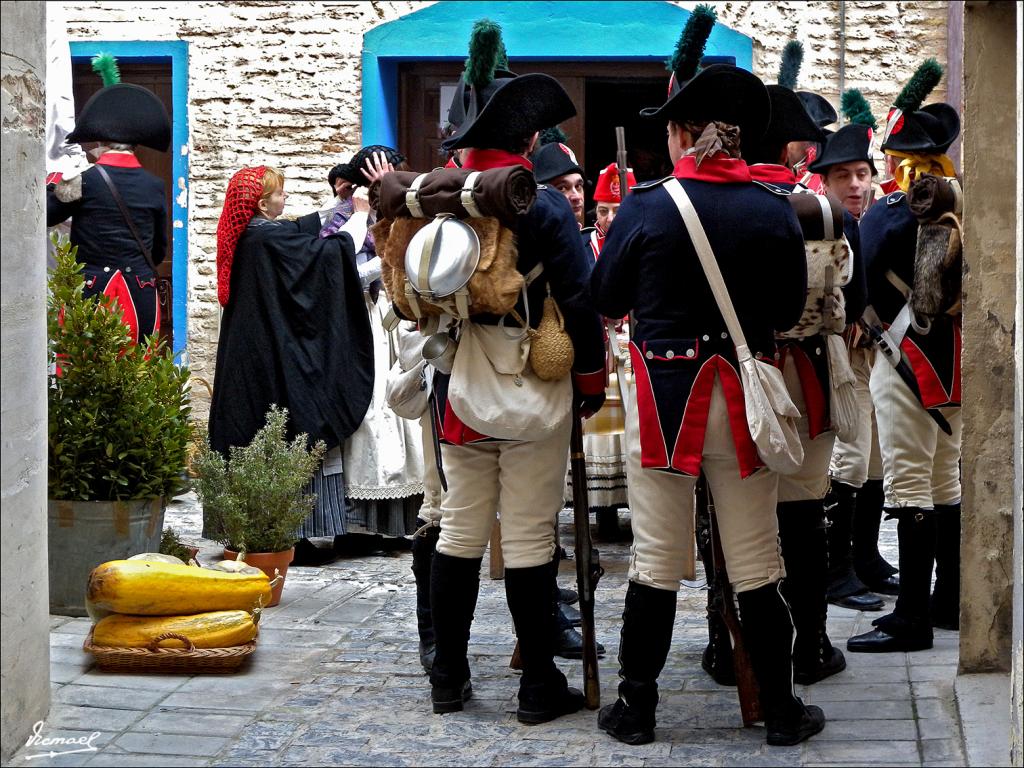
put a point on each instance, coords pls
(912, 128)
(500, 105)
(789, 118)
(717, 92)
(852, 142)
(121, 113)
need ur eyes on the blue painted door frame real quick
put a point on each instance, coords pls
(176, 53)
(555, 31)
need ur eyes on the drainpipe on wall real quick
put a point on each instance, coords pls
(842, 54)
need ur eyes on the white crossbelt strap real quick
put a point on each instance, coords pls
(826, 213)
(466, 196)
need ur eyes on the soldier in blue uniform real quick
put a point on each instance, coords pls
(686, 411)
(113, 122)
(920, 459)
(524, 478)
(806, 367)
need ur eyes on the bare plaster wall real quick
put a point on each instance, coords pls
(280, 83)
(990, 225)
(25, 655)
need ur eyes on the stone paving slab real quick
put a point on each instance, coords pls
(336, 681)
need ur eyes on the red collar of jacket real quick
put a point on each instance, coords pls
(890, 186)
(718, 169)
(485, 159)
(117, 160)
(773, 174)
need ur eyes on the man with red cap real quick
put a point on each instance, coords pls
(607, 198)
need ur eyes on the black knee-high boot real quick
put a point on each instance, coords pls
(644, 642)
(768, 634)
(908, 627)
(872, 569)
(945, 602)
(423, 547)
(544, 693)
(844, 588)
(804, 549)
(717, 657)
(454, 585)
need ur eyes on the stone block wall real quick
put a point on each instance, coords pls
(280, 83)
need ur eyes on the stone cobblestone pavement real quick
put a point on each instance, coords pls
(336, 680)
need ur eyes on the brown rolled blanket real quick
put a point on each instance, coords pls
(503, 193)
(931, 196)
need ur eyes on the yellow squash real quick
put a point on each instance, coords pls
(165, 589)
(216, 629)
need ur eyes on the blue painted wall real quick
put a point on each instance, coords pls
(176, 52)
(621, 31)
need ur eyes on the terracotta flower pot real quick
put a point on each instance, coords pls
(268, 562)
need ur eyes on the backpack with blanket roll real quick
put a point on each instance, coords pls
(446, 239)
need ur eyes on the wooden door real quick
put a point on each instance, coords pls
(157, 78)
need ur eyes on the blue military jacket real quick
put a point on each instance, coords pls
(888, 233)
(648, 267)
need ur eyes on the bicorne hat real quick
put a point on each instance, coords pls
(554, 160)
(122, 113)
(717, 92)
(501, 105)
(911, 128)
(851, 143)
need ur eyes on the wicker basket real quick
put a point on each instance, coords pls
(189, 659)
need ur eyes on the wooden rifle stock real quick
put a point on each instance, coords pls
(588, 563)
(723, 600)
(621, 164)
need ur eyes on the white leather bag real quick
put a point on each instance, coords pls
(843, 410)
(771, 413)
(408, 386)
(494, 390)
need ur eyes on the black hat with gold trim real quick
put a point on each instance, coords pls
(121, 112)
(717, 92)
(503, 106)
(911, 128)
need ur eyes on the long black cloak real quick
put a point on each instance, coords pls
(296, 333)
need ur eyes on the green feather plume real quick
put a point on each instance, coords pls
(552, 136)
(486, 50)
(921, 84)
(857, 110)
(502, 55)
(690, 48)
(789, 69)
(105, 65)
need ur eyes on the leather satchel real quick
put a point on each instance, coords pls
(771, 413)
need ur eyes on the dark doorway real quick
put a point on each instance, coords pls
(612, 102)
(157, 78)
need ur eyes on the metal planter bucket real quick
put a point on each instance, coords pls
(83, 534)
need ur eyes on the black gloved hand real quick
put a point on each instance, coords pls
(589, 404)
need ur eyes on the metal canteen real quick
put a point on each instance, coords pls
(442, 256)
(439, 351)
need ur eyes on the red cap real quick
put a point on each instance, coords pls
(607, 190)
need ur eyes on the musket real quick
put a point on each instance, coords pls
(723, 601)
(886, 344)
(588, 561)
(621, 161)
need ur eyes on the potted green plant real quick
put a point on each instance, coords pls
(118, 433)
(254, 500)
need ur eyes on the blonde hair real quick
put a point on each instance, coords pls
(273, 180)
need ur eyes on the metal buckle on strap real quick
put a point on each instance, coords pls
(466, 196)
(412, 197)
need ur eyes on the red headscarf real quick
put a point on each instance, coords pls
(244, 192)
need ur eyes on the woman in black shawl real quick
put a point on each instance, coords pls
(294, 332)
